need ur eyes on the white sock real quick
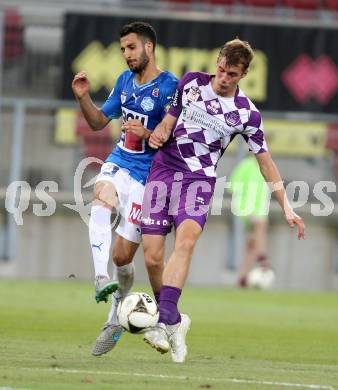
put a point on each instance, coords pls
(112, 316)
(125, 276)
(100, 238)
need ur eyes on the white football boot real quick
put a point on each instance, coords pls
(176, 336)
(157, 338)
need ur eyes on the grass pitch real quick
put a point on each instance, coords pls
(241, 340)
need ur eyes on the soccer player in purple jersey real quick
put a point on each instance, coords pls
(207, 112)
(140, 97)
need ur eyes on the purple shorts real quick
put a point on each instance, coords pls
(170, 197)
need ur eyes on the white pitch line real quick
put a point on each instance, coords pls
(184, 377)
(11, 388)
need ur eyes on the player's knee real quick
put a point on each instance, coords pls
(250, 242)
(186, 245)
(153, 265)
(105, 193)
(153, 259)
(121, 258)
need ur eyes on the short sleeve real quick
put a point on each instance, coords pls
(168, 95)
(176, 105)
(112, 106)
(253, 133)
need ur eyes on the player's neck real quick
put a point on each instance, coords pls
(148, 74)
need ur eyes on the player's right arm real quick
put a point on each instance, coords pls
(162, 131)
(272, 176)
(94, 116)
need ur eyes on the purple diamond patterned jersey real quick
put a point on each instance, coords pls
(206, 124)
(183, 174)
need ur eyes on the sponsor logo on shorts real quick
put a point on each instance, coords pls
(148, 221)
(109, 170)
(158, 222)
(135, 214)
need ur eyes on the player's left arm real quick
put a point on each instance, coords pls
(162, 131)
(272, 176)
(135, 126)
(173, 107)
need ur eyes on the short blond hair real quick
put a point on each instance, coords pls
(237, 52)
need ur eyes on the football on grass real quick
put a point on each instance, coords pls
(137, 312)
(261, 278)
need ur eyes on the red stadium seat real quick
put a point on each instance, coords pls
(331, 5)
(302, 4)
(261, 3)
(13, 34)
(336, 165)
(220, 2)
(332, 144)
(332, 137)
(180, 1)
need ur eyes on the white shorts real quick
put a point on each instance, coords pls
(130, 195)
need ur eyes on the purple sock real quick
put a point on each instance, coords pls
(169, 297)
(157, 297)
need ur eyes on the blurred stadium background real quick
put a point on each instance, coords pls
(43, 137)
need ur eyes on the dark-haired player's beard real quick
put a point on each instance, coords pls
(139, 65)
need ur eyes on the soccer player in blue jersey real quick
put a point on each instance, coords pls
(140, 96)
